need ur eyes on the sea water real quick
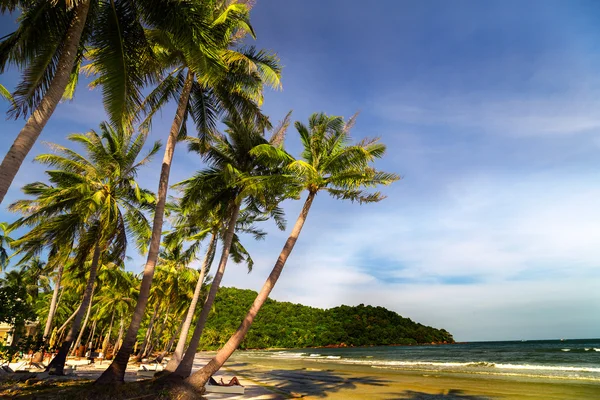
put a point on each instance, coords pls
(552, 359)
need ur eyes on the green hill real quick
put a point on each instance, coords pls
(286, 325)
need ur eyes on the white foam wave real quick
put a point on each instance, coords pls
(470, 365)
(334, 357)
(284, 354)
(595, 349)
(566, 349)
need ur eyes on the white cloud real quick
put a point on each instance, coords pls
(528, 115)
(531, 245)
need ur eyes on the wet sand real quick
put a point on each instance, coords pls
(312, 380)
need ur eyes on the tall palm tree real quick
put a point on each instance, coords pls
(204, 90)
(51, 41)
(329, 163)
(93, 201)
(234, 177)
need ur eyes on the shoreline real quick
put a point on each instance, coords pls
(309, 379)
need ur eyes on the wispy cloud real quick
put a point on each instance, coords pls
(523, 115)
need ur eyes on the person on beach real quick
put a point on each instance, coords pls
(233, 382)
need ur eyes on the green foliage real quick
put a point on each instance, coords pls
(24, 345)
(14, 308)
(287, 325)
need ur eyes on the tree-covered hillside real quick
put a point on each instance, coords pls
(283, 324)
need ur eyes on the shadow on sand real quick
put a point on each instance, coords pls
(452, 394)
(311, 383)
(323, 383)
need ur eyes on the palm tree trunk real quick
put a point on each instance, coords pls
(53, 303)
(184, 368)
(162, 327)
(147, 336)
(118, 342)
(85, 321)
(170, 344)
(116, 371)
(176, 357)
(199, 378)
(38, 119)
(89, 344)
(106, 341)
(63, 326)
(57, 365)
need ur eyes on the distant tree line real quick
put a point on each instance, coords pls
(288, 325)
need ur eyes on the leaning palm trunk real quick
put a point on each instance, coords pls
(85, 321)
(66, 323)
(106, 341)
(159, 334)
(57, 365)
(184, 368)
(116, 371)
(176, 357)
(38, 119)
(53, 303)
(199, 379)
(118, 342)
(142, 352)
(89, 344)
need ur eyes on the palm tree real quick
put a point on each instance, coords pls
(50, 44)
(93, 201)
(57, 259)
(233, 178)
(204, 90)
(35, 272)
(328, 164)
(175, 284)
(116, 297)
(5, 240)
(195, 225)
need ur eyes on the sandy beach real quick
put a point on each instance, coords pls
(279, 379)
(283, 379)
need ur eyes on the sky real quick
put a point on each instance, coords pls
(490, 112)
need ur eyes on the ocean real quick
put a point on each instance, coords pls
(577, 359)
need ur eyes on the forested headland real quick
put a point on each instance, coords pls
(287, 325)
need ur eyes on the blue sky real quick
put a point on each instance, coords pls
(490, 113)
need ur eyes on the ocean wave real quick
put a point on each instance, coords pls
(471, 365)
(285, 354)
(565, 349)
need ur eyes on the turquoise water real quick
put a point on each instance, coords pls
(554, 359)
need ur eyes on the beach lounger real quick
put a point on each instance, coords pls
(224, 389)
(19, 367)
(214, 387)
